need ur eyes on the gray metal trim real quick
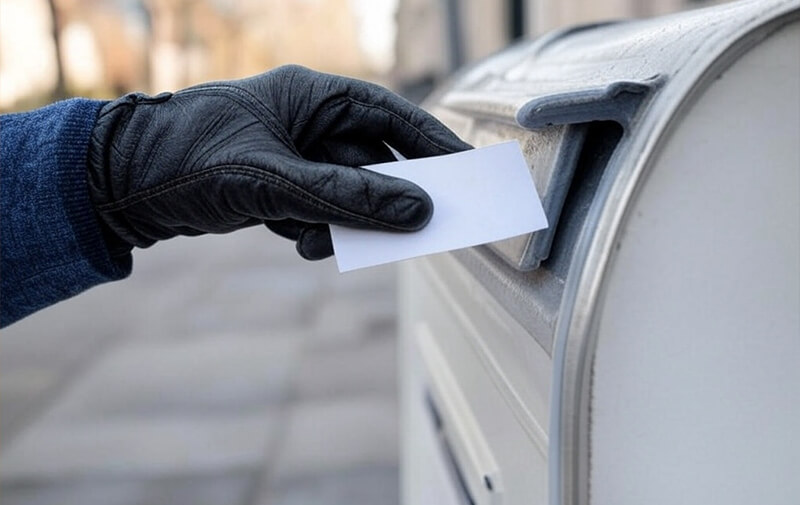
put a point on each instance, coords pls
(553, 155)
(575, 334)
(531, 298)
(618, 101)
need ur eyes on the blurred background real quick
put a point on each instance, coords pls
(103, 48)
(226, 370)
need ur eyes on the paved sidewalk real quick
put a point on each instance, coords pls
(225, 371)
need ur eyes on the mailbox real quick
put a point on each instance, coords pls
(645, 348)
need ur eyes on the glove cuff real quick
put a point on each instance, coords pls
(108, 169)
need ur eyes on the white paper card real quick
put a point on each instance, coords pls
(479, 196)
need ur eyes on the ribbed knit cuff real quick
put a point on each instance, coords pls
(72, 158)
(52, 245)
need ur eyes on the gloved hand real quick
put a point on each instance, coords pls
(282, 148)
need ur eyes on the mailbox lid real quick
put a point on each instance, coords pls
(619, 79)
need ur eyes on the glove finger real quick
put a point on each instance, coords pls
(352, 152)
(376, 113)
(314, 242)
(286, 228)
(289, 187)
(316, 106)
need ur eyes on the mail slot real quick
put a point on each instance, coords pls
(645, 348)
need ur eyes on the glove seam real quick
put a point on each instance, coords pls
(247, 171)
(235, 93)
(150, 155)
(206, 151)
(210, 149)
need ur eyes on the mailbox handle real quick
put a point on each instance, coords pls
(617, 101)
(539, 105)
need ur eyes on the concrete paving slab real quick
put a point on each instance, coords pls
(354, 319)
(221, 373)
(57, 334)
(201, 489)
(357, 486)
(251, 247)
(245, 312)
(218, 304)
(369, 368)
(126, 448)
(366, 281)
(20, 390)
(337, 434)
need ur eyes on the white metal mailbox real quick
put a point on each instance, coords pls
(645, 349)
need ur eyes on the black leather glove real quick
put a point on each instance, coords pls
(282, 148)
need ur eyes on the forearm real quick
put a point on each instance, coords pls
(51, 244)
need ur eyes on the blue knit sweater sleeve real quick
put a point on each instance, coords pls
(51, 244)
